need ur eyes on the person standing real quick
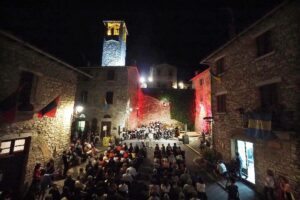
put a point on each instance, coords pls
(65, 162)
(239, 164)
(269, 185)
(286, 190)
(233, 190)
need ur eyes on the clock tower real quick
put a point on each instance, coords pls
(114, 44)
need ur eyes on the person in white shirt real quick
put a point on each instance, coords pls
(221, 168)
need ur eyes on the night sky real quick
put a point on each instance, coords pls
(177, 32)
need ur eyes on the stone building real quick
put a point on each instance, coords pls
(37, 78)
(202, 86)
(110, 97)
(162, 76)
(259, 71)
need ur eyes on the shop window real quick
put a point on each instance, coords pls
(221, 103)
(109, 97)
(264, 44)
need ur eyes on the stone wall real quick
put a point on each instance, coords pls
(49, 136)
(244, 74)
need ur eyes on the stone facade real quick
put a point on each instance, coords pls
(45, 137)
(202, 86)
(125, 87)
(163, 76)
(244, 75)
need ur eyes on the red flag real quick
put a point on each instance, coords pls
(50, 109)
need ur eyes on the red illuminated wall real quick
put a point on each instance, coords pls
(145, 108)
(134, 90)
(202, 100)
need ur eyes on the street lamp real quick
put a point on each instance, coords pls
(79, 109)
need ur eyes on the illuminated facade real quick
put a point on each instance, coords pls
(202, 85)
(114, 44)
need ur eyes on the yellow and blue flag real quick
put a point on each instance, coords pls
(260, 126)
(215, 76)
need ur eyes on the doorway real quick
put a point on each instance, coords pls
(13, 159)
(105, 129)
(246, 152)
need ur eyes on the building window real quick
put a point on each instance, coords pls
(109, 97)
(220, 65)
(27, 85)
(158, 72)
(170, 73)
(263, 43)
(268, 97)
(221, 103)
(5, 147)
(84, 97)
(110, 75)
(19, 145)
(201, 82)
(12, 146)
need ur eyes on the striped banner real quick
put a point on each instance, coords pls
(260, 126)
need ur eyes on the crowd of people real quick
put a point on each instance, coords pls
(114, 174)
(107, 175)
(154, 130)
(171, 179)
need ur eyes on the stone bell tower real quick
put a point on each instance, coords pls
(114, 44)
